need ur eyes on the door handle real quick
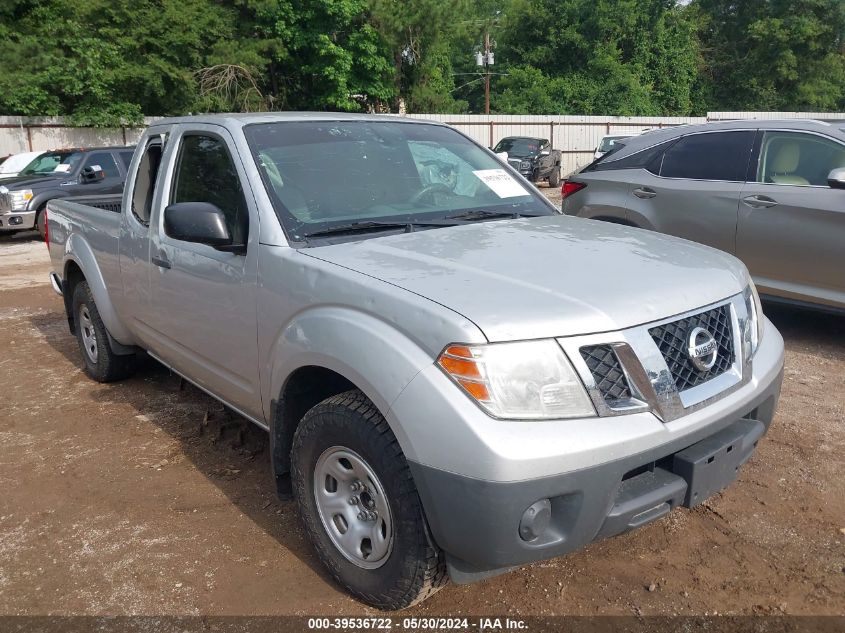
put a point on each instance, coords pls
(760, 202)
(644, 193)
(161, 262)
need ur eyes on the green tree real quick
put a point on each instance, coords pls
(772, 54)
(104, 62)
(420, 36)
(622, 56)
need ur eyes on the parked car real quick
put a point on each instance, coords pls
(14, 164)
(769, 192)
(609, 143)
(60, 174)
(447, 394)
(534, 158)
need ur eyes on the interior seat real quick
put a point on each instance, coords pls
(784, 165)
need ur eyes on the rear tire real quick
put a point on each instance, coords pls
(399, 566)
(100, 362)
(554, 178)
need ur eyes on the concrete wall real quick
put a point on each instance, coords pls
(24, 134)
(576, 136)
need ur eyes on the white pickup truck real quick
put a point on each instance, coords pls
(455, 378)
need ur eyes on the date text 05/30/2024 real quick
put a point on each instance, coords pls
(417, 624)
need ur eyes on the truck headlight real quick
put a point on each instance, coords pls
(753, 334)
(526, 164)
(531, 380)
(20, 199)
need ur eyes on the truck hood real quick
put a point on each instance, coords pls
(550, 276)
(32, 182)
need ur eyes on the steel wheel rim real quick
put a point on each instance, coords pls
(346, 489)
(89, 335)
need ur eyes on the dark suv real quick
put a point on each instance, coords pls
(60, 174)
(534, 158)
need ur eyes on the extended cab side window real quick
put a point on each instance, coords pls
(709, 156)
(145, 180)
(793, 158)
(205, 173)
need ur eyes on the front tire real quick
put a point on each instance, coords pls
(41, 223)
(360, 507)
(100, 362)
(554, 178)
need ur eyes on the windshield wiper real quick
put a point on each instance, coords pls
(483, 214)
(372, 225)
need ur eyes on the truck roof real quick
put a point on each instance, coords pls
(240, 119)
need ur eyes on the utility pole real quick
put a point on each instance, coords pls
(486, 60)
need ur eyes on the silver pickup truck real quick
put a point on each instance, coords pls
(455, 378)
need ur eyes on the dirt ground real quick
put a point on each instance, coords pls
(117, 499)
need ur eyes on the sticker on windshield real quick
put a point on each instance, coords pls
(62, 167)
(501, 182)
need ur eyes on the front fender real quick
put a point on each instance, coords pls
(43, 197)
(362, 348)
(78, 250)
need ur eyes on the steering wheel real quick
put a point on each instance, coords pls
(430, 189)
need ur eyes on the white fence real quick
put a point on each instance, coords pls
(576, 136)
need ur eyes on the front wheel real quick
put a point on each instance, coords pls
(101, 363)
(41, 223)
(554, 178)
(359, 504)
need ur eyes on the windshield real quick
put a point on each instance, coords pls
(328, 173)
(518, 146)
(53, 162)
(610, 142)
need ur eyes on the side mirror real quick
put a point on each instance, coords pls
(836, 178)
(545, 152)
(93, 173)
(199, 222)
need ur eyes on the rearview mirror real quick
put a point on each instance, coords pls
(201, 223)
(836, 178)
(93, 173)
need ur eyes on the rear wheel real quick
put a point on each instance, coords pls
(359, 504)
(101, 363)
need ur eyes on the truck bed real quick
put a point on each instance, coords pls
(92, 224)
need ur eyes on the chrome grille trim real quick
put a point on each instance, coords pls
(671, 338)
(650, 381)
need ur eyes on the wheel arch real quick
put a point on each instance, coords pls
(327, 351)
(80, 264)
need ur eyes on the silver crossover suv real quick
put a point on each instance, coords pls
(770, 192)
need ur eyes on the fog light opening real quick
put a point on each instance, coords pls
(535, 520)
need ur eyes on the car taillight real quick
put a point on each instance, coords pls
(570, 187)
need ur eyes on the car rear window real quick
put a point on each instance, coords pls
(649, 158)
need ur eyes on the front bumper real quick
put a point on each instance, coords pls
(587, 478)
(17, 220)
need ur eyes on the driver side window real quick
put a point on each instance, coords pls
(205, 172)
